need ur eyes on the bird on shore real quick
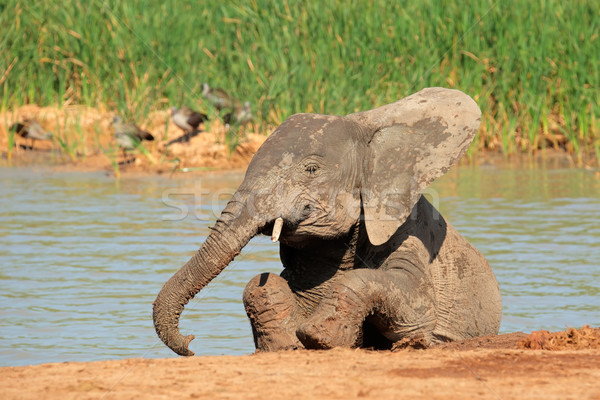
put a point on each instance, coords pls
(240, 116)
(129, 135)
(30, 129)
(187, 119)
(219, 98)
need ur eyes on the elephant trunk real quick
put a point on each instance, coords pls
(230, 234)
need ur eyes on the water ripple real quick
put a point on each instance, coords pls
(83, 257)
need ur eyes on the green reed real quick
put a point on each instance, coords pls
(66, 141)
(10, 143)
(525, 62)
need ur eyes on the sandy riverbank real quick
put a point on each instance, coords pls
(91, 146)
(87, 143)
(499, 367)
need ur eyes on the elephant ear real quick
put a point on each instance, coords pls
(411, 142)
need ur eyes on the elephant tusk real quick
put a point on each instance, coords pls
(277, 229)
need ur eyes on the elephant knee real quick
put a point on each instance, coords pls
(268, 293)
(263, 285)
(271, 307)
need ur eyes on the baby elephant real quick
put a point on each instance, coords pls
(367, 260)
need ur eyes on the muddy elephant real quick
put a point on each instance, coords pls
(367, 259)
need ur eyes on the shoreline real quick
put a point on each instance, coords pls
(490, 367)
(84, 141)
(51, 160)
(87, 144)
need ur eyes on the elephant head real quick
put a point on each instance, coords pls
(317, 175)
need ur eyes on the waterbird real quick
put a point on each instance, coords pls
(129, 135)
(219, 98)
(239, 116)
(187, 119)
(30, 129)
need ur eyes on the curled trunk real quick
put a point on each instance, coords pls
(230, 234)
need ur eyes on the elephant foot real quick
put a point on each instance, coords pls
(328, 333)
(271, 308)
(361, 298)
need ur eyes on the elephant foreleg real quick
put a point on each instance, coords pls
(272, 310)
(397, 304)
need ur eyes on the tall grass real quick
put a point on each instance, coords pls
(527, 63)
(10, 143)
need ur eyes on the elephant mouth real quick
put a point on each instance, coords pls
(278, 229)
(283, 230)
(287, 228)
(293, 234)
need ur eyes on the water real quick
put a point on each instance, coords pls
(82, 257)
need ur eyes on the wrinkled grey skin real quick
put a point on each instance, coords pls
(367, 260)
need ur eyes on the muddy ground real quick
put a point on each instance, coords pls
(512, 366)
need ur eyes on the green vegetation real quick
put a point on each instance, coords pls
(533, 66)
(10, 137)
(71, 141)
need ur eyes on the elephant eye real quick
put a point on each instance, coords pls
(312, 169)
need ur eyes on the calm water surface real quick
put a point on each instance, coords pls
(82, 257)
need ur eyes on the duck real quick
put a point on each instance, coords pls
(187, 119)
(31, 129)
(129, 135)
(240, 116)
(219, 98)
